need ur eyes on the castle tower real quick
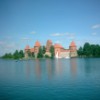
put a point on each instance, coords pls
(36, 48)
(57, 48)
(73, 49)
(48, 46)
(27, 49)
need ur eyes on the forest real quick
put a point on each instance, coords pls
(89, 50)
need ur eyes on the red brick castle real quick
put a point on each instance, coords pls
(60, 52)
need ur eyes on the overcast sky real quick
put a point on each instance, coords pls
(23, 22)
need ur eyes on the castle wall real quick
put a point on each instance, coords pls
(64, 54)
(73, 54)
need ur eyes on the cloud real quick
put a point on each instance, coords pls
(71, 36)
(2, 42)
(11, 45)
(33, 32)
(8, 37)
(58, 34)
(8, 47)
(68, 35)
(25, 38)
(96, 26)
(57, 41)
(94, 34)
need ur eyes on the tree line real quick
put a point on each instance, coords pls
(16, 55)
(20, 54)
(89, 50)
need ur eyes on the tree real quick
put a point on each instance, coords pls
(87, 49)
(80, 51)
(40, 54)
(16, 54)
(21, 54)
(52, 51)
(7, 55)
(29, 54)
(44, 49)
(47, 56)
(33, 54)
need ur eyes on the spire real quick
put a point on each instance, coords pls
(73, 44)
(27, 47)
(37, 43)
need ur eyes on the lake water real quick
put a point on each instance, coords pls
(49, 79)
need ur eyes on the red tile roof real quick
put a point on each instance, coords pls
(37, 43)
(72, 43)
(57, 45)
(27, 47)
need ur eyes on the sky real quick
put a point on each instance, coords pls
(23, 22)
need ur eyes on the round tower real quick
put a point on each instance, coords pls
(73, 49)
(27, 49)
(73, 46)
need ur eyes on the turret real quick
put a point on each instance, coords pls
(36, 48)
(73, 49)
(73, 46)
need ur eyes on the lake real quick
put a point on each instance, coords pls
(50, 79)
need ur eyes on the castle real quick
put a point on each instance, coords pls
(60, 52)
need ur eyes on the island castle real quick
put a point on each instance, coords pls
(60, 52)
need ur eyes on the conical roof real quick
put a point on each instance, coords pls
(58, 45)
(27, 47)
(37, 43)
(72, 44)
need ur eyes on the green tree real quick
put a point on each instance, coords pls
(52, 51)
(44, 49)
(47, 56)
(7, 55)
(21, 54)
(80, 51)
(29, 54)
(16, 54)
(97, 51)
(33, 54)
(87, 49)
(40, 54)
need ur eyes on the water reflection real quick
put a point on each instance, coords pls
(28, 69)
(58, 66)
(37, 68)
(49, 68)
(73, 67)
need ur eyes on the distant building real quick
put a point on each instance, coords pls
(60, 52)
(73, 49)
(36, 48)
(48, 46)
(27, 49)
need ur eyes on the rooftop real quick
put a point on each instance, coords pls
(57, 45)
(37, 43)
(72, 43)
(27, 47)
